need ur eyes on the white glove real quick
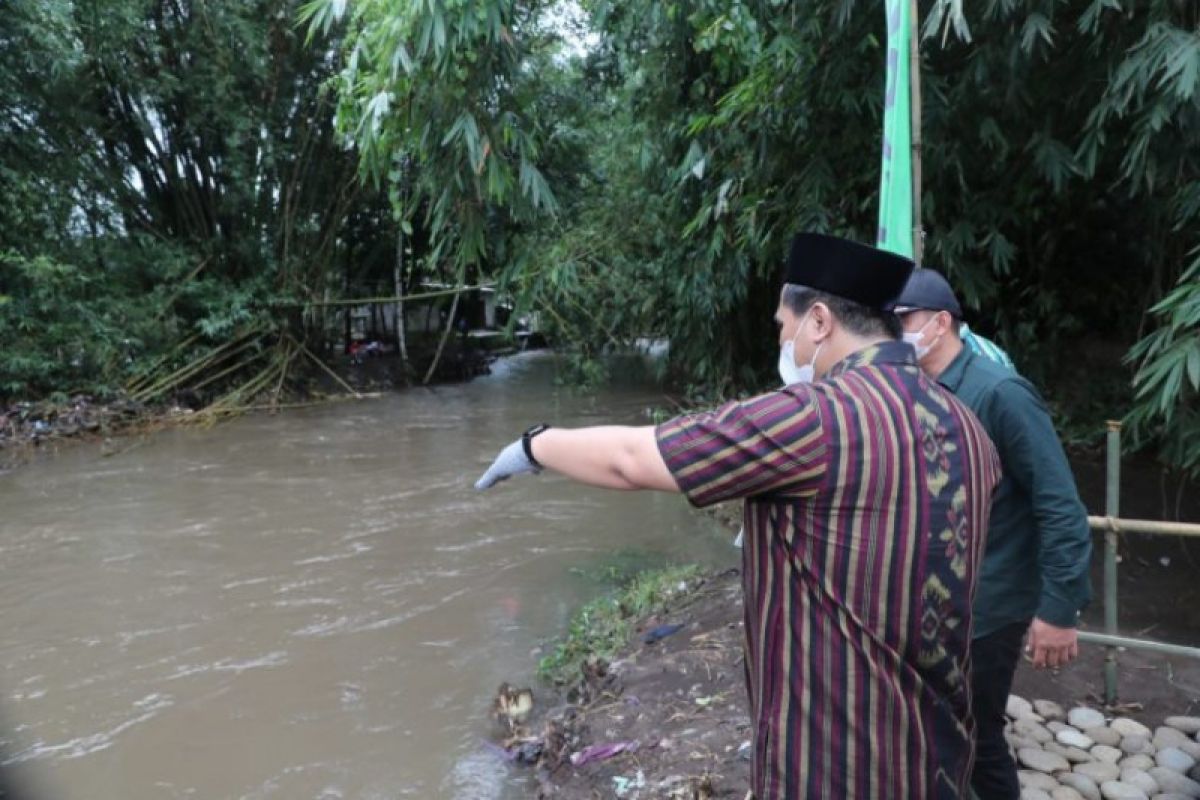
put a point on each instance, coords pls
(511, 461)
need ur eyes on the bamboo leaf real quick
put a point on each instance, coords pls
(1037, 26)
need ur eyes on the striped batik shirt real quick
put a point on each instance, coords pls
(867, 497)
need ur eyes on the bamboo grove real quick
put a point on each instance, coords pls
(188, 185)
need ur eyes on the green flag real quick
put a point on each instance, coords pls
(895, 179)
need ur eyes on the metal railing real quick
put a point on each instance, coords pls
(1112, 524)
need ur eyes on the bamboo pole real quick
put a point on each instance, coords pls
(325, 367)
(177, 378)
(595, 321)
(247, 390)
(147, 374)
(359, 301)
(1151, 526)
(915, 123)
(228, 370)
(287, 362)
(437, 356)
(1111, 643)
(162, 312)
(1112, 507)
(554, 313)
(209, 359)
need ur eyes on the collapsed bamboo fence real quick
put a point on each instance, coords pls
(257, 362)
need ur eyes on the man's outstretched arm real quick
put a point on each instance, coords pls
(611, 457)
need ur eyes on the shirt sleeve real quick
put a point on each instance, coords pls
(771, 444)
(1033, 457)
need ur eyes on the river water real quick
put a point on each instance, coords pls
(310, 605)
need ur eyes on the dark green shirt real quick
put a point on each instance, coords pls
(1039, 544)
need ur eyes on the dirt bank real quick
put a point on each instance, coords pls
(677, 710)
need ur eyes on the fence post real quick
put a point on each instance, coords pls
(1112, 508)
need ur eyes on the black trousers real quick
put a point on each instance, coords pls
(994, 659)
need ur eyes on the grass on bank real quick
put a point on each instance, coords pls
(605, 625)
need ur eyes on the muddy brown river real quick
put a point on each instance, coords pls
(310, 605)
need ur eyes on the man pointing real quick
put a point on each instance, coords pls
(867, 489)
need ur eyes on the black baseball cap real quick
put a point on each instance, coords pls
(927, 290)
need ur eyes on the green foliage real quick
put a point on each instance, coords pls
(179, 161)
(59, 334)
(187, 163)
(1168, 377)
(437, 84)
(604, 626)
(1061, 164)
(690, 140)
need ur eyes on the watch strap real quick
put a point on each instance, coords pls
(527, 442)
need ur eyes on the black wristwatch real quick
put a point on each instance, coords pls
(527, 441)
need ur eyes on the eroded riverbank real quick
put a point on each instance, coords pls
(668, 718)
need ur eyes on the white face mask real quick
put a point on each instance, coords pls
(915, 337)
(788, 370)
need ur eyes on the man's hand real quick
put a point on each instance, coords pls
(1051, 646)
(511, 461)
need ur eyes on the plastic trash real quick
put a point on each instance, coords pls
(526, 752)
(623, 786)
(602, 752)
(499, 752)
(661, 632)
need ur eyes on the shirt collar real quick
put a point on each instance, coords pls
(890, 352)
(952, 376)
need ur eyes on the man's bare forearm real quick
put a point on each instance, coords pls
(611, 457)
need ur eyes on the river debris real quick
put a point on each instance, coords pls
(512, 706)
(27, 426)
(661, 632)
(603, 752)
(663, 720)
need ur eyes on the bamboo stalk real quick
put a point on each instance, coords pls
(287, 362)
(180, 375)
(228, 370)
(148, 372)
(162, 312)
(554, 313)
(611, 337)
(437, 356)
(325, 367)
(247, 389)
(367, 300)
(257, 384)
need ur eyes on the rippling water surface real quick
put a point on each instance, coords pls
(312, 605)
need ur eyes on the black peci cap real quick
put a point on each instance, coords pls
(866, 275)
